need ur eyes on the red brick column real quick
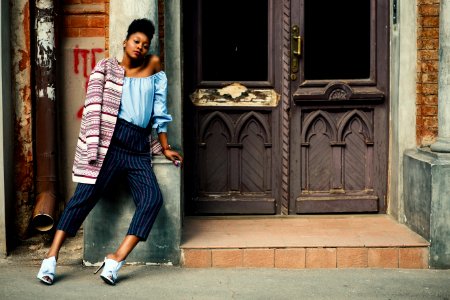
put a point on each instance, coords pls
(427, 70)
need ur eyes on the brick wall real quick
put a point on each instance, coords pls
(427, 70)
(86, 18)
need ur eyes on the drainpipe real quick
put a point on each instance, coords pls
(45, 205)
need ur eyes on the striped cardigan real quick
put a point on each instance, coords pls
(99, 118)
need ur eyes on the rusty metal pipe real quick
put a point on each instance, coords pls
(43, 217)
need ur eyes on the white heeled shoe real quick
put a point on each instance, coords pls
(47, 271)
(110, 269)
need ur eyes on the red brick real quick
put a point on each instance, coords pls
(92, 32)
(320, 258)
(427, 55)
(429, 21)
(429, 110)
(430, 99)
(429, 78)
(418, 111)
(71, 32)
(290, 258)
(79, 9)
(413, 258)
(96, 21)
(427, 44)
(76, 21)
(429, 66)
(429, 10)
(259, 258)
(428, 33)
(428, 1)
(383, 258)
(194, 258)
(430, 122)
(430, 88)
(227, 258)
(352, 257)
(419, 88)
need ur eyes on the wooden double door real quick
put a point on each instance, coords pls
(286, 106)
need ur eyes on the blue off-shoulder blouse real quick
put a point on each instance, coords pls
(144, 100)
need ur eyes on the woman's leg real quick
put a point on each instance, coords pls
(58, 240)
(125, 248)
(147, 198)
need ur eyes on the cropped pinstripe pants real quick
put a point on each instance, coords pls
(129, 153)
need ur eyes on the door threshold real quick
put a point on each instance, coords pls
(314, 241)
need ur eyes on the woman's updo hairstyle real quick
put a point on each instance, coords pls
(141, 25)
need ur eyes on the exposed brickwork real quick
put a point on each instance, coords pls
(86, 18)
(427, 70)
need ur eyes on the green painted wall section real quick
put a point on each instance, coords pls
(427, 201)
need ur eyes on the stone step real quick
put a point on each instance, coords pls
(332, 241)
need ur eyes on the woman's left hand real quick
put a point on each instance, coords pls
(173, 156)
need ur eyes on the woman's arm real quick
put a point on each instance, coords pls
(167, 150)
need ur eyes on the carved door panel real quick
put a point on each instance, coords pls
(339, 87)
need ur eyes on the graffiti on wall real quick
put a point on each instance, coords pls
(81, 58)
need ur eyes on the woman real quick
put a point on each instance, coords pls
(124, 101)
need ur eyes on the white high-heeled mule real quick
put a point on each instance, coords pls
(110, 269)
(47, 271)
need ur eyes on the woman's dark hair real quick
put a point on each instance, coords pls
(141, 25)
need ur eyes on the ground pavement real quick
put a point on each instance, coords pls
(18, 281)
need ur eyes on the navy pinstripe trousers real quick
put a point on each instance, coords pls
(129, 153)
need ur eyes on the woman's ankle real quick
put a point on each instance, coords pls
(115, 257)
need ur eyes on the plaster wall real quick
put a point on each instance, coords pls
(121, 13)
(6, 133)
(79, 55)
(403, 99)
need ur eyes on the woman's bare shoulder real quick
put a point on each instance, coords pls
(155, 63)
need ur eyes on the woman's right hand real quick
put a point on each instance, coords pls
(173, 156)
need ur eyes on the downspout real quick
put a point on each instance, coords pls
(45, 205)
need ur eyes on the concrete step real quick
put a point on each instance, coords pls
(325, 241)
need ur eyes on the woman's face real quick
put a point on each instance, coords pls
(137, 45)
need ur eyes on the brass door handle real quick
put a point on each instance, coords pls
(296, 41)
(296, 47)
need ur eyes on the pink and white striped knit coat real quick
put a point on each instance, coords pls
(99, 118)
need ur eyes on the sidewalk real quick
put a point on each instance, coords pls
(18, 281)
